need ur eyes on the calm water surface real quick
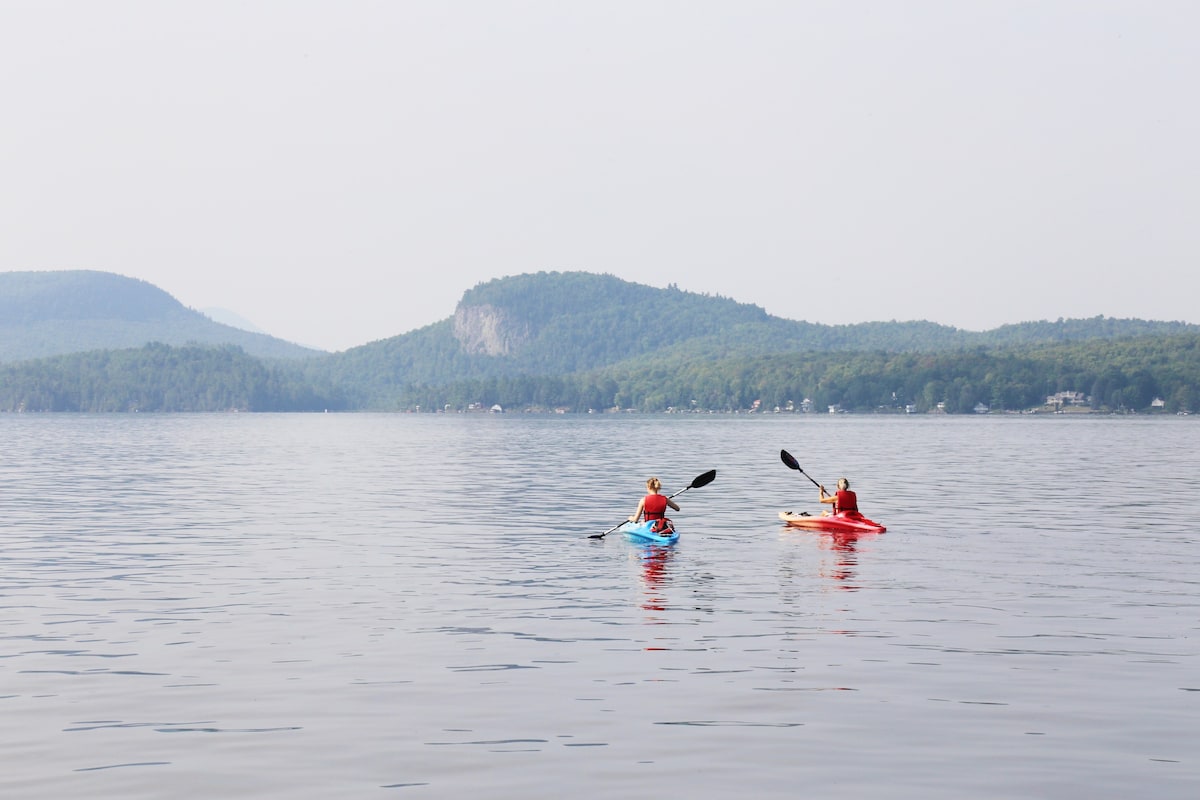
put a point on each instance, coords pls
(319, 606)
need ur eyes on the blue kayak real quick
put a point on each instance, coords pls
(640, 532)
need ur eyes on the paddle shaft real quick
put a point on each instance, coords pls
(787, 458)
(619, 524)
(700, 480)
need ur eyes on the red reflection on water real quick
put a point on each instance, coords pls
(654, 574)
(845, 545)
(844, 549)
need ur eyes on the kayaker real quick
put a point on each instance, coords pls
(653, 505)
(844, 500)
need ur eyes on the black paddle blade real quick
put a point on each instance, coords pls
(786, 458)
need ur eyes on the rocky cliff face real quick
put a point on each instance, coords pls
(488, 330)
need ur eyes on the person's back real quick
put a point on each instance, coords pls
(844, 501)
(654, 506)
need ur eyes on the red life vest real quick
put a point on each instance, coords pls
(654, 506)
(846, 501)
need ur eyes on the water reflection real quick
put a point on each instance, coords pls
(268, 560)
(839, 555)
(844, 547)
(654, 563)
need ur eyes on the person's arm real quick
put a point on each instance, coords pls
(827, 498)
(672, 504)
(637, 514)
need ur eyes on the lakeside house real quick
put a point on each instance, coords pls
(1060, 399)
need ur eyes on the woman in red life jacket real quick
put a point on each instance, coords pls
(844, 501)
(654, 505)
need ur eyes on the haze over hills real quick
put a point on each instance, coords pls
(230, 318)
(51, 313)
(85, 340)
(539, 323)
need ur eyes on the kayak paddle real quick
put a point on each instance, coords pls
(703, 479)
(787, 458)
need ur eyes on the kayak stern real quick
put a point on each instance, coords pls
(641, 532)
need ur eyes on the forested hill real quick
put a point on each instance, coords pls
(51, 313)
(541, 324)
(563, 323)
(576, 341)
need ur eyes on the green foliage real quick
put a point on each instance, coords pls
(583, 342)
(158, 377)
(1071, 330)
(572, 322)
(1119, 375)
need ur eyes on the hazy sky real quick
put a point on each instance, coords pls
(340, 172)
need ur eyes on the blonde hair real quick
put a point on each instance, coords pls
(653, 484)
(843, 483)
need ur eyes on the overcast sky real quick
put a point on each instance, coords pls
(341, 172)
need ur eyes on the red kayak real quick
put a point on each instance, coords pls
(841, 522)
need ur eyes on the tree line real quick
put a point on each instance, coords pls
(159, 377)
(1117, 376)
(1127, 375)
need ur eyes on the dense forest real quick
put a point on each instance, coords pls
(1109, 376)
(556, 326)
(158, 377)
(1119, 377)
(582, 342)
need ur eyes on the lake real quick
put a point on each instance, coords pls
(374, 605)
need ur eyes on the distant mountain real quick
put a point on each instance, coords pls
(563, 323)
(52, 313)
(574, 341)
(233, 320)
